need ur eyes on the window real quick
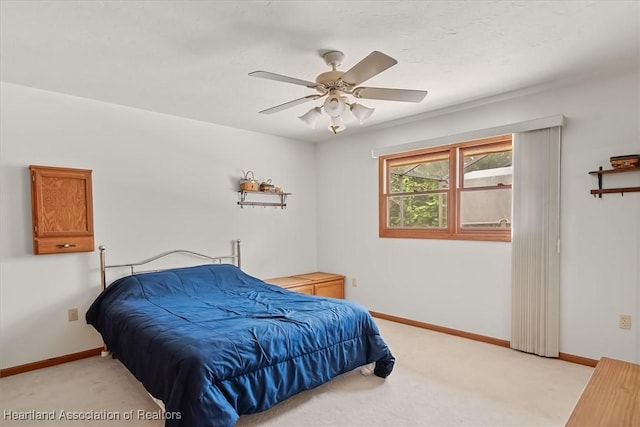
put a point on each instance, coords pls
(457, 191)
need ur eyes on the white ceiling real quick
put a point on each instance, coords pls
(191, 58)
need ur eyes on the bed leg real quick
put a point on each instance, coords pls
(238, 259)
(103, 278)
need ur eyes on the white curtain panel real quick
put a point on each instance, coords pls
(535, 266)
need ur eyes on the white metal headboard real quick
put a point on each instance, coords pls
(103, 267)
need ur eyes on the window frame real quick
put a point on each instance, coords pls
(454, 230)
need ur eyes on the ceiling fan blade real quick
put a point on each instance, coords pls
(375, 63)
(281, 78)
(385, 94)
(290, 104)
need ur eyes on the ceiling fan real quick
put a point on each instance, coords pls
(336, 84)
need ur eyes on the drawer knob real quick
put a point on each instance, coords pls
(67, 245)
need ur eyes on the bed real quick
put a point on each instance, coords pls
(213, 342)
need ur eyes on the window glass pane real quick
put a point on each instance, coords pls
(421, 211)
(485, 209)
(488, 169)
(419, 176)
(414, 187)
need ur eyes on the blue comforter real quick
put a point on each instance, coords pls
(213, 342)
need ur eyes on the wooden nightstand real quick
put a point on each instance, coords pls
(318, 283)
(295, 284)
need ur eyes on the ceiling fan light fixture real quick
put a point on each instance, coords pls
(361, 112)
(335, 84)
(311, 117)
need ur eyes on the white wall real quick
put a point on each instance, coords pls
(159, 183)
(466, 285)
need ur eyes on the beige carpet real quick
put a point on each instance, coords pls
(438, 380)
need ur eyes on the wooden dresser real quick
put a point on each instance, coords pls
(318, 283)
(611, 397)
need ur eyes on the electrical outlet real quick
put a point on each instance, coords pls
(72, 313)
(625, 321)
(354, 282)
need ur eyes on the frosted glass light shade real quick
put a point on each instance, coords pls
(361, 112)
(334, 105)
(311, 117)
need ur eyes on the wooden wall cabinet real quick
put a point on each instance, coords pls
(62, 210)
(318, 283)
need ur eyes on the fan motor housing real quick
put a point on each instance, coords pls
(331, 80)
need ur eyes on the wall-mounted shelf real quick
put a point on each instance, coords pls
(600, 172)
(244, 202)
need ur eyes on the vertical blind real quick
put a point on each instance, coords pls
(535, 266)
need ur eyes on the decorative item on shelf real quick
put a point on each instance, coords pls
(267, 186)
(249, 183)
(627, 161)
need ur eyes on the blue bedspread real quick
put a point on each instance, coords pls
(213, 342)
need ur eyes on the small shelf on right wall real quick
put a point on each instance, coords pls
(600, 172)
